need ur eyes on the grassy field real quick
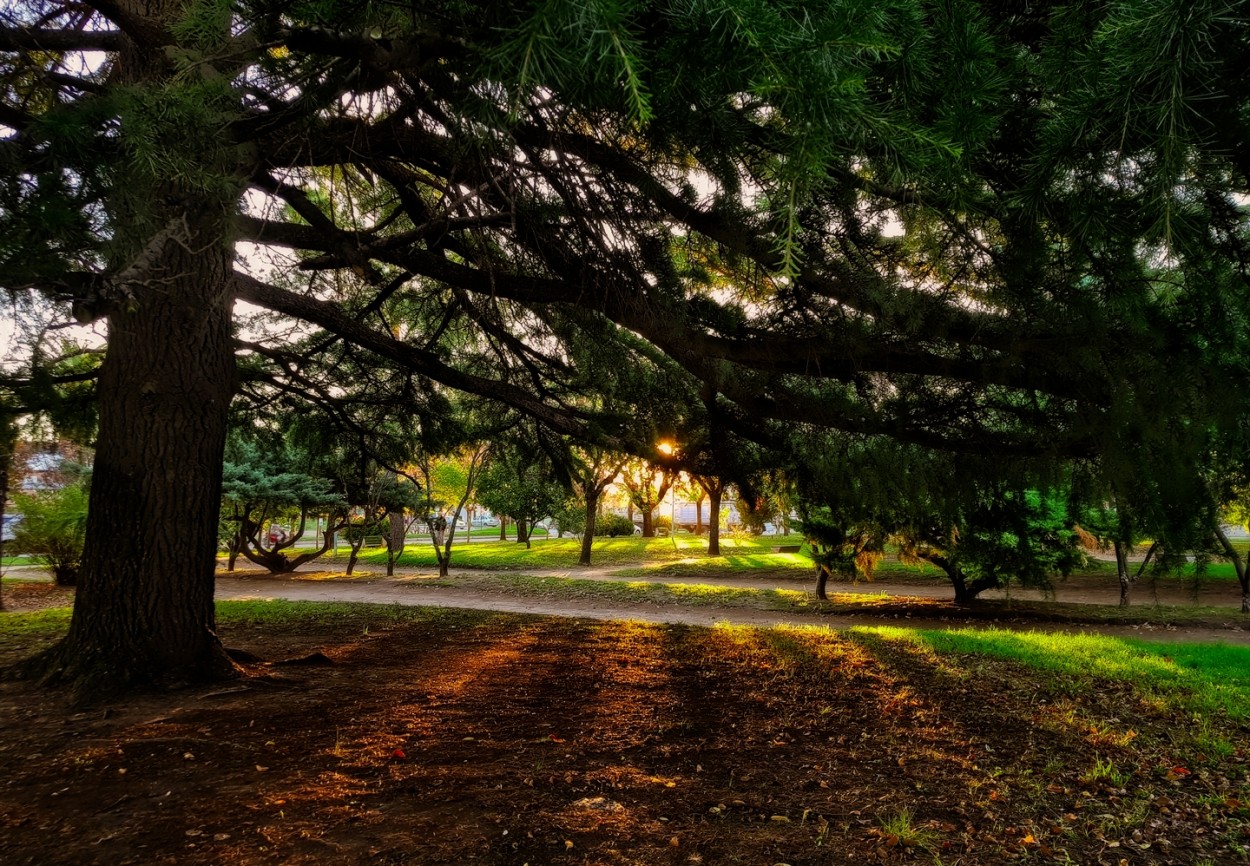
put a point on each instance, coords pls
(738, 554)
(431, 736)
(685, 555)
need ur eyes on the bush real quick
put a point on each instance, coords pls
(663, 521)
(53, 529)
(571, 517)
(613, 525)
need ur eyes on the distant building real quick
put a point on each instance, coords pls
(42, 465)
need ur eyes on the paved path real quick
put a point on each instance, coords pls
(381, 590)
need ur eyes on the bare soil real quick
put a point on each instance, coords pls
(502, 738)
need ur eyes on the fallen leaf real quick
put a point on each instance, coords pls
(261, 769)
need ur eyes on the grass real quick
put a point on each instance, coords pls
(1202, 679)
(739, 554)
(25, 633)
(290, 614)
(638, 591)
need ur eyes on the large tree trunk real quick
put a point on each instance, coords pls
(713, 519)
(522, 531)
(592, 517)
(144, 608)
(648, 523)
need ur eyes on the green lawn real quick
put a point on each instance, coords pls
(668, 554)
(1202, 679)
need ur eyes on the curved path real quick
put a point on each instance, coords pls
(381, 590)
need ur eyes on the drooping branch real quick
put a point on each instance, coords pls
(334, 320)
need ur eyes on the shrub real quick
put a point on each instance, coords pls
(53, 529)
(613, 525)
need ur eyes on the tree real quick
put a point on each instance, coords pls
(647, 485)
(708, 192)
(715, 489)
(448, 483)
(257, 497)
(1022, 535)
(404, 501)
(984, 522)
(594, 469)
(519, 480)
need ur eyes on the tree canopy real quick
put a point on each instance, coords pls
(986, 228)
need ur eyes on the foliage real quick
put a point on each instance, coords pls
(989, 229)
(525, 493)
(53, 528)
(612, 525)
(570, 516)
(262, 492)
(984, 523)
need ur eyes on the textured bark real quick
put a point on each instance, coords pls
(715, 488)
(588, 535)
(144, 612)
(396, 539)
(144, 608)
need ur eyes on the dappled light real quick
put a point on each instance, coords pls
(453, 736)
(1219, 670)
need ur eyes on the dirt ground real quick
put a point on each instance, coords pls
(497, 738)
